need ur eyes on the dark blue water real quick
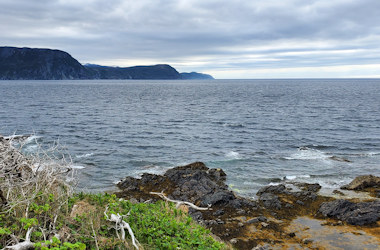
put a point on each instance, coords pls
(257, 131)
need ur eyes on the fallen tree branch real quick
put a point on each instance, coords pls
(179, 203)
(120, 224)
(27, 244)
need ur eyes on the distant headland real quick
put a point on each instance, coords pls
(49, 64)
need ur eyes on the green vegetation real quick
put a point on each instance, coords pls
(81, 223)
(43, 211)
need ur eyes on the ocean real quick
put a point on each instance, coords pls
(259, 132)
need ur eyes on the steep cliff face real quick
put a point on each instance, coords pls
(160, 71)
(39, 64)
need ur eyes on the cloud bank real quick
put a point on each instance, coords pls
(228, 39)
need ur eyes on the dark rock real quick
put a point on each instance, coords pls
(291, 235)
(300, 202)
(336, 158)
(362, 213)
(338, 192)
(287, 205)
(221, 197)
(257, 219)
(129, 184)
(218, 212)
(270, 201)
(195, 214)
(273, 189)
(314, 187)
(363, 182)
(262, 247)
(305, 195)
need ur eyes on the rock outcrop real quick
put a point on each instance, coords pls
(243, 222)
(362, 213)
(363, 182)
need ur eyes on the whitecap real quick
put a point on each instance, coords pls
(32, 139)
(233, 155)
(305, 153)
(290, 177)
(274, 183)
(84, 155)
(151, 169)
(293, 177)
(77, 167)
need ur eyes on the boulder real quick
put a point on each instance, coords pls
(362, 182)
(194, 182)
(362, 213)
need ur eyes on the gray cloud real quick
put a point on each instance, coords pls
(204, 35)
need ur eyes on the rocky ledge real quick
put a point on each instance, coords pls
(268, 222)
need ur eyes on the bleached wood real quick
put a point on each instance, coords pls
(179, 203)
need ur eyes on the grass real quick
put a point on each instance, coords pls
(43, 204)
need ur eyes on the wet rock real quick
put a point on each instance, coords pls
(257, 219)
(270, 201)
(362, 213)
(218, 212)
(336, 158)
(300, 202)
(129, 184)
(221, 197)
(195, 214)
(262, 247)
(362, 182)
(313, 187)
(337, 192)
(273, 189)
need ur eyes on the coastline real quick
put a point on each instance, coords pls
(284, 216)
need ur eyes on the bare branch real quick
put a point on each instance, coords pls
(120, 224)
(179, 203)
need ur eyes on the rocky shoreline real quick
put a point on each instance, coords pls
(273, 221)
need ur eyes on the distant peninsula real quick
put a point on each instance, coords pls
(48, 64)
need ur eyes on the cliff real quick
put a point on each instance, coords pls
(39, 64)
(48, 64)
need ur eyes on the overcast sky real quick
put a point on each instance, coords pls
(225, 38)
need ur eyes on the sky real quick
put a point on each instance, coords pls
(228, 39)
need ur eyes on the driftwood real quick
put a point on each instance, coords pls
(120, 224)
(27, 244)
(23, 178)
(179, 203)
